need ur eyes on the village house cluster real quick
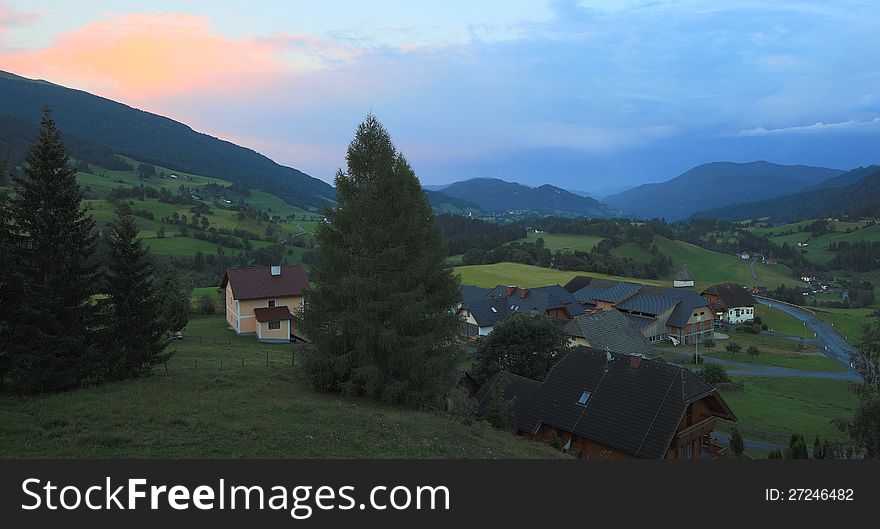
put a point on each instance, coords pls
(607, 398)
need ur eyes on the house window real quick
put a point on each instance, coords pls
(584, 398)
(274, 325)
(271, 303)
(687, 450)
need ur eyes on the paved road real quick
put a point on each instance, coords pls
(752, 266)
(758, 370)
(831, 343)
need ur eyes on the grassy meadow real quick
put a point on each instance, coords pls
(201, 408)
(565, 242)
(779, 407)
(774, 351)
(527, 276)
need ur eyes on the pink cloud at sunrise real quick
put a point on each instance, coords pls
(140, 57)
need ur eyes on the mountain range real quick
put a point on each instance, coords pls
(855, 193)
(149, 138)
(494, 195)
(717, 184)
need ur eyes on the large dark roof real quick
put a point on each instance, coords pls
(516, 390)
(732, 295)
(611, 330)
(635, 404)
(258, 282)
(538, 299)
(273, 313)
(471, 293)
(639, 298)
(488, 312)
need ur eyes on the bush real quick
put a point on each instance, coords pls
(709, 343)
(460, 405)
(758, 320)
(733, 348)
(775, 454)
(207, 305)
(765, 327)
(753, 350)
(737, 446)
(713, 374)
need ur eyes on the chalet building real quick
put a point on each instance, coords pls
(482, 308)
(732, 303)
(609, 330)
(676, 314)
(684, 278)
(266, 302)
(601, 405)
(760, 290)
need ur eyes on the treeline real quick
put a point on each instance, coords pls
(599, 259)
(72, 316)
(856, 256)
(463, 233)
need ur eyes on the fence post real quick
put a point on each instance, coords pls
(267, 357)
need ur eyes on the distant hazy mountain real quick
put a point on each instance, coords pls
(491, 194)
(447, 204)
(153, 139)
(856, 193)
(434, 187)
(715, 185)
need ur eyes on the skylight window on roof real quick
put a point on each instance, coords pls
(584, 398)
(494, 309)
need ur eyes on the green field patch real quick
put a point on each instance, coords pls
(528, 276)
(774, 351)
(782, 406)
(563, 241)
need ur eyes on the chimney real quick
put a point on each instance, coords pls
(276, 270)
(523, 293)
(635, 362)
(511, 290)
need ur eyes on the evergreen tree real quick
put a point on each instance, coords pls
(797, 447)
(498, 408)
(58, 277)
(10, 291)
(135, 334)
(381, 317)
(174, 302)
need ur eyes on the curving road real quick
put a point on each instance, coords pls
(831, 343)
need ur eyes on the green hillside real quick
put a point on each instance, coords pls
(527, 276)
(565, 242)
(232, 397)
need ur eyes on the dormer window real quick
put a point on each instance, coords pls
(584, 398)
(271, 303)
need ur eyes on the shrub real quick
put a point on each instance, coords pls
(764, 327)
(206, 304)
(460, 405)
(758, 320)
(709, 343)
(713, 374)
(737, 446)
(733, 347)
(753, 350)
(775, 454)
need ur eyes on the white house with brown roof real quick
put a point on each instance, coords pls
(266, 302)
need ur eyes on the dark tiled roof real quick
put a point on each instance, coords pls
(539, 299)
(639, 321)
(273, 313)
(519, 391)
(648, 303)
(258, 282)
(634, 407)
(732, 295)
(577, 283)
(471, 293)
(488, 312)
(611, 330)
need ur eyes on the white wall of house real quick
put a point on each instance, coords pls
(740, 314)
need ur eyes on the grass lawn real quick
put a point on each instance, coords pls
(775, 351)
(527, 276)
(848, 322)
(711, 267)
(564, 241)
(252, 411)
(780, 322)
(178, 246)
(770, 408)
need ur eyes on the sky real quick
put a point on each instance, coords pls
(591, 96)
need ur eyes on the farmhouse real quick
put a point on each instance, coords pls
(660, 313)
(482, 308)
(266, 302)
(609, 330)
(732, 303)
(601, 405)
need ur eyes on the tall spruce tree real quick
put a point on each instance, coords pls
(10, 292)
(380, 317)
(56, 244)
(135, 334)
